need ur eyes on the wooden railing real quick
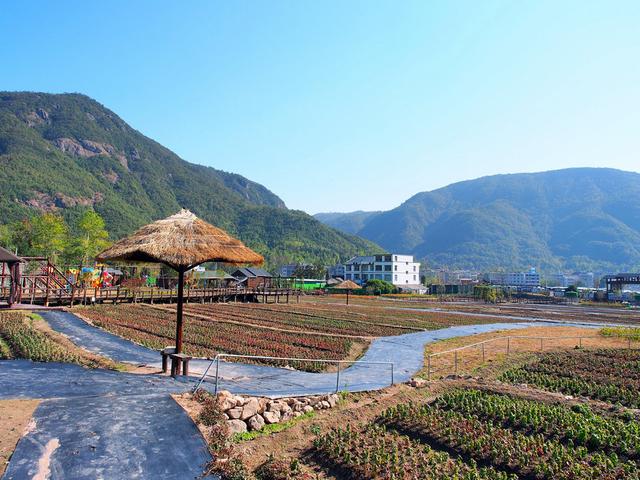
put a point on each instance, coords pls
(35, 294)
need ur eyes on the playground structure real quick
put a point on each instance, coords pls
(31, 275)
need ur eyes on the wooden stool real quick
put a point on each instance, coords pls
(165, 352)
(179, 360)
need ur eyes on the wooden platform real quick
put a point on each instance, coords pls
(89, 296)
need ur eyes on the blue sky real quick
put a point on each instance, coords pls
(348, 105)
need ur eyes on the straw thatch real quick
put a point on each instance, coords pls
(347, 285)
(181, 241)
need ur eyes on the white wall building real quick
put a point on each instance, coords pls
(515, 279)
(581, 279)
(399, 270)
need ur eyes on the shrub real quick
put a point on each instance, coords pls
(275, 469)
(380, 287)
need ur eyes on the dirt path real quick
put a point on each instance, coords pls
(15, 416)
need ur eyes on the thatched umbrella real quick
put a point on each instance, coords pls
(347, 285)
(182, 242)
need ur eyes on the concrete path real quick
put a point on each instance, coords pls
(97, 340)
(406, 352)
(110, 437)
(101, 424)
(26, 379)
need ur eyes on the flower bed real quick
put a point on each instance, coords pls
(610, 375)
(206, 338)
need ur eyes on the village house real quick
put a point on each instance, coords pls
(253, 277)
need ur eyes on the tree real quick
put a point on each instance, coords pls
(6, 237)
(379, 287)
(309, 271)
(16, 237)
(92, 237)
(48, 235)
(487, 293)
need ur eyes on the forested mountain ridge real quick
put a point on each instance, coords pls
(67, 153)
(579, 218)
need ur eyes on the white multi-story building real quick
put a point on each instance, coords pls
(454, 277)
(399, 270)
(515, 279)
(585, 279)
(580, 279)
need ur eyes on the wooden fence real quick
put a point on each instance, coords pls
(466, 358)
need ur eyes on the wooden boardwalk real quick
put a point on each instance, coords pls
(89, 295)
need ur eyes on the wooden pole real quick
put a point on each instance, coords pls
(347, 296)
(179, 311)
(13, 294)
(2, 282)
(49, 272)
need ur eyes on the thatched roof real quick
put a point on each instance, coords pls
(181, 241)
(347, 285)
(7, 257)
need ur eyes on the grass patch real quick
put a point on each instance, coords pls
(5, 351)
(622, 332)
(26, 335)
(22, 340)
(272, 428)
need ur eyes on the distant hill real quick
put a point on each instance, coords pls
(67, 153)
(351, 222)
(581, 218)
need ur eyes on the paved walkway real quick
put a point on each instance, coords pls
(105, 425)
(406, 352)
(101, 424)
(97, 340)
(110, 437)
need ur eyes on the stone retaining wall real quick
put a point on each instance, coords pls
(253, 413)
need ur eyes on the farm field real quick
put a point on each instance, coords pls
(370, 321)
(518, 437)
(609, 375)
(303, 330)
(464, 355)
(477, 428)
(574, 313)
(462, 432)
(24, 335)
(155, 328)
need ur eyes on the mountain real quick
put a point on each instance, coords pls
(68, 153)
(580, 218)
(351, 222)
